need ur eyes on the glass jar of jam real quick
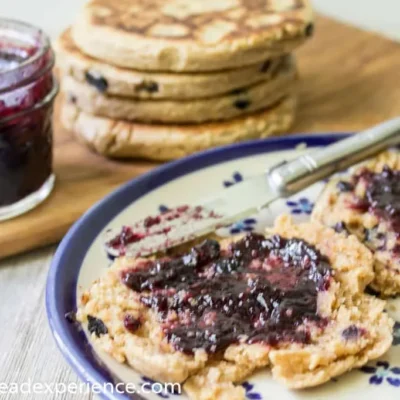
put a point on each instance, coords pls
(27, 92)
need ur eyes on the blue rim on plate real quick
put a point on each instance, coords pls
(65, 267)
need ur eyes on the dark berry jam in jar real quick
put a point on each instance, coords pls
(27, 92)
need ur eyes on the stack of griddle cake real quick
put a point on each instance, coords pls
(160, 79)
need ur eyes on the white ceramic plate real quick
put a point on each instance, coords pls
(81, 259)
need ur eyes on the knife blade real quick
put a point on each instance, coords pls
(188, 222)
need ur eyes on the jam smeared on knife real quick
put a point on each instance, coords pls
(151, 234)
(126, 237)
(258, 290)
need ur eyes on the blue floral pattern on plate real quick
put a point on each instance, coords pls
(247, 225)
(382, 372)
(300, 206)
(236, 178)
(162, 208)
(250, 393)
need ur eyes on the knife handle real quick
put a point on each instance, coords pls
(291, 177)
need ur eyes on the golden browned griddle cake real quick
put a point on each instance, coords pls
(140, 84)
(163, 142)
(291, 301)
(161, 79)
(195, 35)
(219, 108)
(366, 202)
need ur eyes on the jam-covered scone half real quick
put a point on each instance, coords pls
(366, 203)
(292, 301)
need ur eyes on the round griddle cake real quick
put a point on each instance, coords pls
(225, 107)
(121, 139)
(112, 80)
(191, 35)
(330, 325)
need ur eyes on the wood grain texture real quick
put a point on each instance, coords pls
(349, 81)
(28, 352)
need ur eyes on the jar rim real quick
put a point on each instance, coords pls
(30, 68)
(42, 103)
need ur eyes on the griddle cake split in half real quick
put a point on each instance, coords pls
(291, 301)
(182, 65)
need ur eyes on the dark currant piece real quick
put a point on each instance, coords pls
(96, 326)
(242, 104)
(71, 98)
(309, 31)
(147, 86)
(265, 66)
(131, 323)
(96, 80)
(340, 227)
(344, 186)
(352, 333)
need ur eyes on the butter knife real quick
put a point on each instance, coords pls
(182, 224)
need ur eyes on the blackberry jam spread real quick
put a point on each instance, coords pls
(382, 196)
(258, 290)
(27, 91)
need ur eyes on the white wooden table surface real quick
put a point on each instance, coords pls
(28, 353)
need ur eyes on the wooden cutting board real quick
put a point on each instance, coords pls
(349, 81)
